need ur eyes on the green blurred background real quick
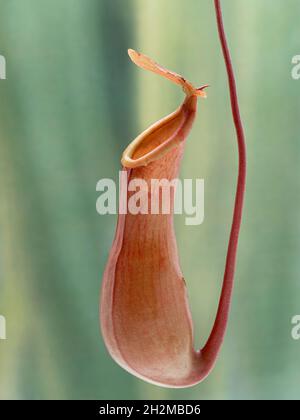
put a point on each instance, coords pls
(71, 102)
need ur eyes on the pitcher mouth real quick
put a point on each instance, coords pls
(167, 133)
(155, 141)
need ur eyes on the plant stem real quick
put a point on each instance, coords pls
(216, 337)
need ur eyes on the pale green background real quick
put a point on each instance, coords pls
(71, 102)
